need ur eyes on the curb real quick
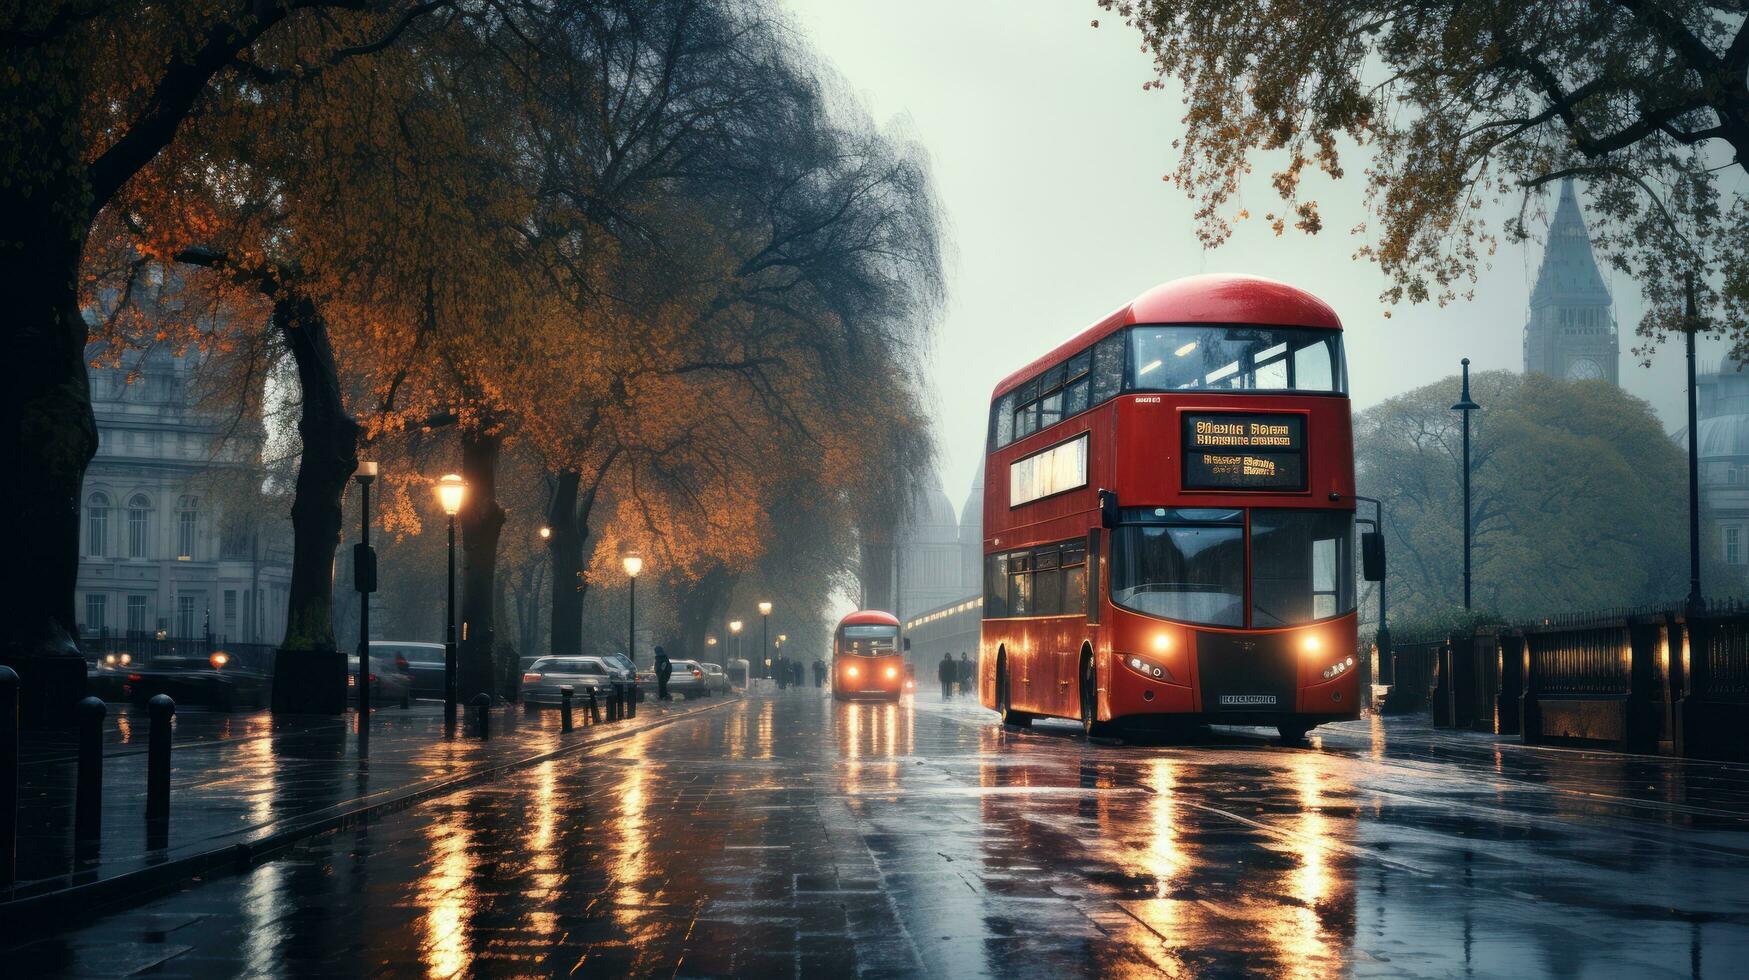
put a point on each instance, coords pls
(107, 895)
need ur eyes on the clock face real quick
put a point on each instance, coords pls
(1584, 369)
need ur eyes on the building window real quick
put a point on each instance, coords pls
(139, 515)
(136, 615)
(96, 612)
(234, 539)
(1733, 545)
(185, 617)
(230, 612)
(185, 517)
(96, 524)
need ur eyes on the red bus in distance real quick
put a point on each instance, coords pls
(1169, 517)
(866, 657)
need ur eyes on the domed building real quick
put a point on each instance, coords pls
(1722, 404)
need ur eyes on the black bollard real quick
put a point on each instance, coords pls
(564, 707)
(632, 700)
(483, 714)
(88, 798)
(8, 776)
(594, 708)
(162, 709)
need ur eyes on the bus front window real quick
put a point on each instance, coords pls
(1302, 566)
(1192, 573)
(869, 641)
(1236, 358)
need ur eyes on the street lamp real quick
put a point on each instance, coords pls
(765, 635)
(364, 579)
(450, 491)
(1690, 324)
(1466, 405)
(633, 565)
(545, 532)
(735, 631)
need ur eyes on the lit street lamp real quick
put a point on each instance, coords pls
(633, 565)
(364, 579)
(545, 532)
(450, 491)
(1466, 405)
(735, 630)
(765, 635)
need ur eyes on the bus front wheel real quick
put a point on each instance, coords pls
(1019, 719)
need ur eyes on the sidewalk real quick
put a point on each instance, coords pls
(245, 785)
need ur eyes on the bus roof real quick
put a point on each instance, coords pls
(1212, 298)
(869, 617)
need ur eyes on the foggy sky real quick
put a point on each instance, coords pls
(1048, 159)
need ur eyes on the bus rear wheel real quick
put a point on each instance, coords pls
(1019, 719)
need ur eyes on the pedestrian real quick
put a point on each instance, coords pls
(797, 675)
(664, 670)
(819, 672)
(782, 671)
(948, 673)
(966, 671)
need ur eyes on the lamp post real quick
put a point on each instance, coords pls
(782, 638)
(364, 579)
(633, 565)
(735, 631)
(765, 635)
(1689, 326)
(450, 491)
(1466, 405)
(711, 642)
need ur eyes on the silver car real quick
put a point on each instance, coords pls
(688, 680)
(542, 679)
(715, 680)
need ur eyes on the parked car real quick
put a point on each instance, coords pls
(688, 681)
(390, 680)
(623, 662)
(647, 686)
(716, 681)
(106, 676)
(211, 680)
(541, 682)
(424, 663)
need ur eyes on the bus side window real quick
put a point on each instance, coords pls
(1074, 578)
(1107, 367)
(1002, 422)
(995, 586)
(1047, 586)
(1020, 584)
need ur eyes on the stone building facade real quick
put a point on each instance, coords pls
(159, 554)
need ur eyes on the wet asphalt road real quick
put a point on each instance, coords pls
(788, 835)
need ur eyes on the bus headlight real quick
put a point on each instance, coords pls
(1311, 643)
(1339, 668)
(850, 671)
(1147, 668)
(892, 672)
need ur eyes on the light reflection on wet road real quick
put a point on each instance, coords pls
(789, 835)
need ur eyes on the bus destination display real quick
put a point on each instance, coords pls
(1244, 452)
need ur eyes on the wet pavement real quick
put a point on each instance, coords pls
(787, 835)
(249, 781)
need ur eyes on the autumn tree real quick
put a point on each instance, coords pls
(1460, 111)
(1572, 504)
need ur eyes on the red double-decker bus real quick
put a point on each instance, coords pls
(866, 657)
(1169, 517)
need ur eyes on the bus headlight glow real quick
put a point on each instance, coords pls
(1311, 643)
(892, 672)
(1339, 668)
(1162, 642)
(850, 671)
(1147, 668)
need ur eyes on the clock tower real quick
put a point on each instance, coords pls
(1571, 332)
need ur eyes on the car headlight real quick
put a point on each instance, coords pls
(219, 659)
(1339, 668)
(109, 659)
(1147, 668)
(126, 659)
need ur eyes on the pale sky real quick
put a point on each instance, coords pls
(1048, 158)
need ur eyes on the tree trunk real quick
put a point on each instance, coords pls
(47, 437)
(566, 549)
(482, 520)
(701, 609)
(328, 460)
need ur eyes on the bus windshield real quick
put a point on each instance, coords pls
(1194, 573)
(1236, 358)
(868, 641)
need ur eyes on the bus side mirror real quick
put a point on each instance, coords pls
(907, 644)
(1108, 515)
(1372, 556)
